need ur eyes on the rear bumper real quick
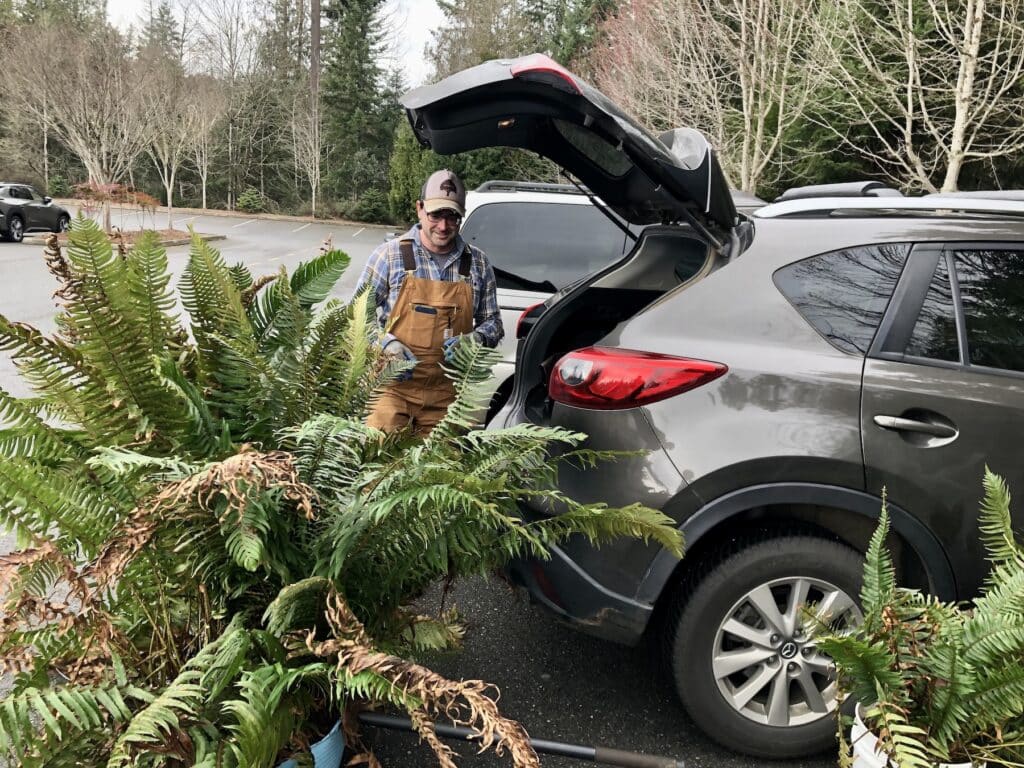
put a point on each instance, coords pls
(564, 588)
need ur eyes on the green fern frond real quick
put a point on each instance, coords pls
(470, 371)
(995, 523)
(879, 572)
(313, 281)
(297, 606)
(240, 276)
(124, 461)
(179, 703)
(41, 721)
(266, 715)
(111, 324)
(52, 367)
(148, 284)
(201, 433)
(599, 522)
(904, 743)
(358, 377)
(35, 497)
(28, 436)
(214, 302)
(998, 695)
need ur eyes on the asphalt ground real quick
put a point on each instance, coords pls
(561, 685)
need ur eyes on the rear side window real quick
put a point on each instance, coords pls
(934, 335)
(992, 294)
(844, 294)
(543, 246)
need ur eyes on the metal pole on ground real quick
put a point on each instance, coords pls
(599, 755)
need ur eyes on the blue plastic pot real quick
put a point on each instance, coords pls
(327, 752)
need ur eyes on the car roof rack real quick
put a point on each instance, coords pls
(842, 189)
(502, 185)
(934, 205)
(988, 194)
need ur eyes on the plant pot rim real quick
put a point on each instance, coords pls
(866, 752)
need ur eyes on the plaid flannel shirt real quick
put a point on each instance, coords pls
(385, 272)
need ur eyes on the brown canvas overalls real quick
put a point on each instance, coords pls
(426, 313)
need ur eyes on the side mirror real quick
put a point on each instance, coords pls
(47, 200)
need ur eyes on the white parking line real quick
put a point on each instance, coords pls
(250, 221)
(299, 229)
(185, 221)
(357, 233)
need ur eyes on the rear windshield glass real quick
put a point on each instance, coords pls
(543, 246)
(844, 294)
(605, 156)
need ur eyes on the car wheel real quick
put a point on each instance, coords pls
(15, 229)
(739, 653)
(63, 223)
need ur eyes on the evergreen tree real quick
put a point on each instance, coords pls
(78, 13)
(358, 120)
(160, 40)
(284, 44)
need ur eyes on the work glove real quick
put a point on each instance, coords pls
(399, 351)
(452, 344)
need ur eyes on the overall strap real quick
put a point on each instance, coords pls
(408, 258)
(464, 263)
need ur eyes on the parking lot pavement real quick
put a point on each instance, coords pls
(564, 686)
(263, 245)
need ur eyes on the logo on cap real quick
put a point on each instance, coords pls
(448, 187)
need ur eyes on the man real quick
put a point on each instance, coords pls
(433, 292)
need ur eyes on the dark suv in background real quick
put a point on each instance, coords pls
(23, 209)
(775, 372)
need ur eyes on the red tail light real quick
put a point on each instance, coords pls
(532, 312)
(607, 379)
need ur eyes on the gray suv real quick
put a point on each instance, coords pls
(776, 372)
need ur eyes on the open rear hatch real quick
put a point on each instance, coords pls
(534, 103)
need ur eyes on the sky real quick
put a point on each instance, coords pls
(412, 23)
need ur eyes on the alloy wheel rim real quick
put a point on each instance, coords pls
(16, 229)
(763, 661)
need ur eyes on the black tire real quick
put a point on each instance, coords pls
(779, 666)
(63, 223)
(15, 229)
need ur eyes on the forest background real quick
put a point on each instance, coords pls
(292, 105)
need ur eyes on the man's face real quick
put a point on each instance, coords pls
(439, 228)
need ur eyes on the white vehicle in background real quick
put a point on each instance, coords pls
(539, 238)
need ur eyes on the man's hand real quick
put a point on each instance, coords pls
(453, 343)
(399, 351)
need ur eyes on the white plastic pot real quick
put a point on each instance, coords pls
(867, 755)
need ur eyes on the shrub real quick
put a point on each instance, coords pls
(251, 201)
(59, 187)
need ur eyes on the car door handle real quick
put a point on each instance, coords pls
(901, 424)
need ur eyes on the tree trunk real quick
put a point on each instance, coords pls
(46, 147)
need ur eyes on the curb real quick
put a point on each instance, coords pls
(41, 240)
(234, 214)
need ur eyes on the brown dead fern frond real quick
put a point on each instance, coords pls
(249, 294)
(236, 477)
(70, 606)
(425, 728)
(464, 702)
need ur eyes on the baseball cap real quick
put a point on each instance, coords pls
(444, 191)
